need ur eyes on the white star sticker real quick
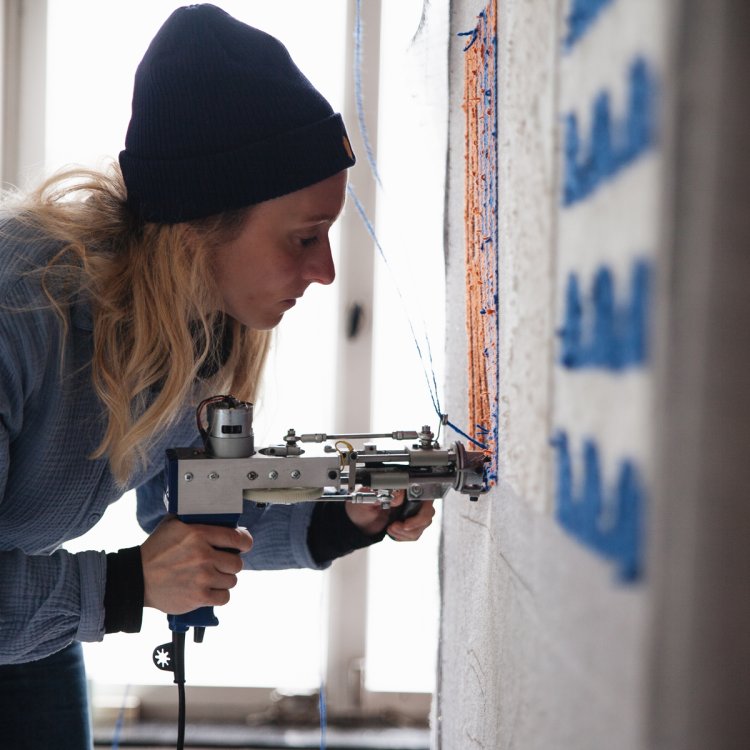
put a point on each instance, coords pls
(162, 658)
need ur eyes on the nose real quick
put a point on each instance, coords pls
(319, 268)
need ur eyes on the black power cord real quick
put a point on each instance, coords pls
(178, 650)
(170, 657)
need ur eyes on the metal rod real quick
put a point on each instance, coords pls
(321, 437)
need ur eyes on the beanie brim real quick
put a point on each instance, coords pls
(176, 190)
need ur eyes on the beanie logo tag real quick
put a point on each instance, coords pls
(347, 147)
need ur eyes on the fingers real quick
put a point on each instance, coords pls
(226, 538)
(372, 519)
(399, 498)
(369, 518)
(410, 529)
(183, 567)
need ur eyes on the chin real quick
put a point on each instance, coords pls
(261, 317)
(265, 324)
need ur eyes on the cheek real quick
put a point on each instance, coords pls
(225, 275)
(234, 281)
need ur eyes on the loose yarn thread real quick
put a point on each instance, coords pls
(428, 366)
(359, 96)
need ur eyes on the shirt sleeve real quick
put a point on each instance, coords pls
(150, 506)
(279, 536)
(46, 600)
(332, 534)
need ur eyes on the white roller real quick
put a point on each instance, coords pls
(283, 494)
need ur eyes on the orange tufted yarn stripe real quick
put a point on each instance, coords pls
(480, 217)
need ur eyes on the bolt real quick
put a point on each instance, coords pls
(416, 490)
(213, 476)
(252, 475)
(296, 474)
(188, 477)
(273, 474)
(333, 474)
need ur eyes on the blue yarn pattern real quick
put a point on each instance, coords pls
(612, 146)
(581, 511)
(582, 15)
(599, 333)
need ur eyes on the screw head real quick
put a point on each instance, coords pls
(273, 474)
(188, 476)
(213, 475)
(252, 475)
(296, 474)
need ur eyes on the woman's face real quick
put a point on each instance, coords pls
(282, 248)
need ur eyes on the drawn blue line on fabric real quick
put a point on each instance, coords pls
(612, 145)
(607, 521)
(599, 333)
(358, 95)
(430, 376)
(582, 15)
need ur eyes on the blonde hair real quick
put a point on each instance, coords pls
(159, 332)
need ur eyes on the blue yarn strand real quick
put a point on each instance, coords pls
(358, 96)
(429, 373)
(373, 235)
(323, 711)
(468, 437)
(472, 38)
(117, 731)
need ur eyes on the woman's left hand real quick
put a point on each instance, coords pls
(370, 518)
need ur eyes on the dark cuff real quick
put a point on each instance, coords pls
(123, 595)
(332, 534)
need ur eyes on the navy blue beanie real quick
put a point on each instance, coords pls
(222, 118)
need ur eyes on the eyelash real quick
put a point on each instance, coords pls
(309, 241)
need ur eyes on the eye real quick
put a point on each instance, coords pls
(309, 241)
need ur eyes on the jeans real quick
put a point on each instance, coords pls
(44, 704)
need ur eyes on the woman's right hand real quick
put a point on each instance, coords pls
(185, 568)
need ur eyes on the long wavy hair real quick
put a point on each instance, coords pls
(160, 338)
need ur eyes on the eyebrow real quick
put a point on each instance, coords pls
(318, 218)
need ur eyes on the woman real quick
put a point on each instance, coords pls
(126, 299)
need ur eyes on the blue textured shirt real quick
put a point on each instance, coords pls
(51, 420)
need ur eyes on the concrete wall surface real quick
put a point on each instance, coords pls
(583, 596)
